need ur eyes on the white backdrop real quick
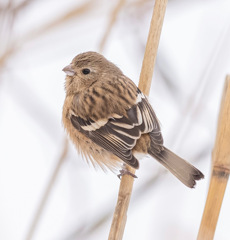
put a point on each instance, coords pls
(192, 62)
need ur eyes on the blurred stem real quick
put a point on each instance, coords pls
(113, 18)
(220, 169)
(37, 32)
(48, 190)
(126, 185)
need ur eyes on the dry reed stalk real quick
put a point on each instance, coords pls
(48, 190)
(126, 185)
(113, 18)
(220, 169)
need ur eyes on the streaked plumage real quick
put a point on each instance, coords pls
(110, 120)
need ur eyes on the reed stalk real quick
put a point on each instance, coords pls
(126, 184)
(220, 169)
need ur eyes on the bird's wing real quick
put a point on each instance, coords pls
(118, 133)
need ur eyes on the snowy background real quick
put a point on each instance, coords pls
(39, 38)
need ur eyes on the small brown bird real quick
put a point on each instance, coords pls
(110, 120)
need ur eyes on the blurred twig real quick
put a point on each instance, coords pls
(17, 44)
(220, 169)
(8, 14)
(12, 7)
(74, 12)
(48, 190)
(113, 18)
(126, 185)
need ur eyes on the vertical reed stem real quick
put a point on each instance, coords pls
(126, 185)
(220, 169)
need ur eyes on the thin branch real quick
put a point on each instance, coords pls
(220, 169)
(126, 185)
(48, 190)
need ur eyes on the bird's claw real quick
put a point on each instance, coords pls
(125, 172)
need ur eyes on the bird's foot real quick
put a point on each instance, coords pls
(125, 172)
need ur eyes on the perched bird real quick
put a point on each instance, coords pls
(110, 120)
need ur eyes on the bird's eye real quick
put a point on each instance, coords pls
(85, 71)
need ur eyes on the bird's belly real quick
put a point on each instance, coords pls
(92, 152)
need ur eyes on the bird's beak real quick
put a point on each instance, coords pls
(68, 70)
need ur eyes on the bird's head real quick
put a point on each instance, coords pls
(86, 69)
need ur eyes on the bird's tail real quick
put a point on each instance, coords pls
(180, 168)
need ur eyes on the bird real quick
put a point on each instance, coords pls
(111, 122)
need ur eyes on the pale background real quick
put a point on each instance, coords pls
(37, 39)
